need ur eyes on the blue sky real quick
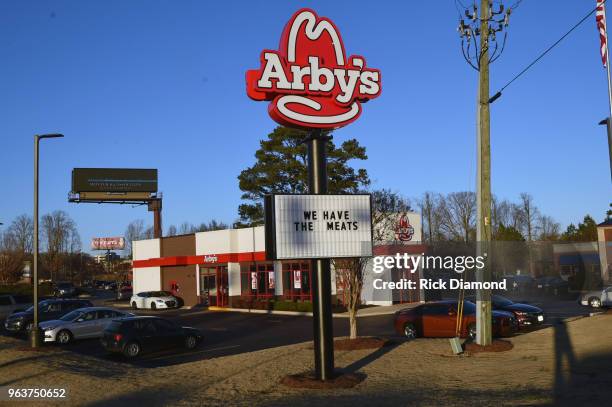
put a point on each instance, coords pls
(160, 84)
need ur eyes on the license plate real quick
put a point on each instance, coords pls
(540, 318)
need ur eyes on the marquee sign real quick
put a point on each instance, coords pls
(318, 226)
(309, 80)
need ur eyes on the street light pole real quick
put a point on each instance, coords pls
(34, 338)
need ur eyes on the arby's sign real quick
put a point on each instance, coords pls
(310, 80)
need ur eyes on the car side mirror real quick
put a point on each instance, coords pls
(80, 320)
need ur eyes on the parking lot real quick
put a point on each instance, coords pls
(231, 333)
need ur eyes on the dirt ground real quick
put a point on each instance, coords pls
(567, 364)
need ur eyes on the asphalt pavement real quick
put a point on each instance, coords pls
(230, 333)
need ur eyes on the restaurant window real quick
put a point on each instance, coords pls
(297, 280)
(257, 280)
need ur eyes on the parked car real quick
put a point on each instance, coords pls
(81, 323)
(526, 315)
(10, 303)
(519, 283)
(65, 289)
(20, 322)
(153, 300)
(438, 320)
(133, 336)
(552, 285)
(109, 285)
(124, 293)
(598, 298)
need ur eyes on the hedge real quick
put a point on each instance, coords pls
(26, 289)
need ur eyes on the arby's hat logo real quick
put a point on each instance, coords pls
(404, 230)
(310, 81)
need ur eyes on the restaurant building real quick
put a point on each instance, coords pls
(226, 267)
(218, 267)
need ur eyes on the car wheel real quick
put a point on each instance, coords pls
(132, 350)
(153, 306)
(134, 305)
(63, 337)
(471, 331)
(595, 302)
(410, 331)
(191, 342)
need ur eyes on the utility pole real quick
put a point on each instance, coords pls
(479, 53)
(483, 183)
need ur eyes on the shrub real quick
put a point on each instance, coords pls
(26, 289)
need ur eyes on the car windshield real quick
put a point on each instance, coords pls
(159, 294)
(71, 316)
(500, 301)
(64, 285)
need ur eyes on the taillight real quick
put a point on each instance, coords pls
(117, 337)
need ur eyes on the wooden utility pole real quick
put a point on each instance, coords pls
(483, 190)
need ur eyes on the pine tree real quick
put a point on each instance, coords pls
(281, 167)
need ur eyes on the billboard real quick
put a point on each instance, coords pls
(107, 243)
(318, 226)
(114, 180)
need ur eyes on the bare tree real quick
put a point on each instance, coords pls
(22, 230)
(386, 206)
(186, 228)
(429, 205)
(530, 215)
(501, 214)
(458, 215)
(171, 231)
(134, 231)
(517, 217)
(12, 259)
(61, 238)
(549, 229)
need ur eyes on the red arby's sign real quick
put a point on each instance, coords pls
(310, 80)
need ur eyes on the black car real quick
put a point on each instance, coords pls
(20, 322)
(526, 315)
(552, 285)
(65, 290)
(133, 336)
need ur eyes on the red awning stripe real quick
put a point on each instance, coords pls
(201, 259)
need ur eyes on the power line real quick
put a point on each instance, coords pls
(499, 93)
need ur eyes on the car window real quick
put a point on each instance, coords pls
(5, 301)
(71, 316)
(145, 326)
(52, 307)
(67, 306)
(164, 325)
(90, 316)
(143, 295)
(435, 309)
(106, 313)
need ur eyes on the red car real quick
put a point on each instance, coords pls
(438, 320)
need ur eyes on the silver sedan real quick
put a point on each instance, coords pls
(81, 323)
(598, 298)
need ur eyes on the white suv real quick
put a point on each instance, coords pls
(153, 300)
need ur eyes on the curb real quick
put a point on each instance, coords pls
(293, 313)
